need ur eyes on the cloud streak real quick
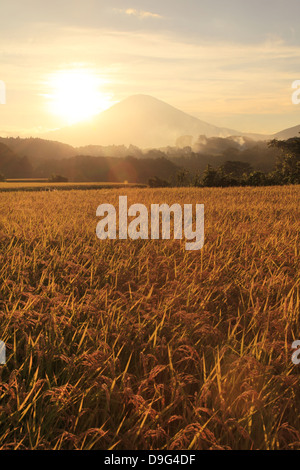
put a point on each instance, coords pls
(140, 13)
(218, 82)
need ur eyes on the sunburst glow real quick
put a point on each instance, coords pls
(76, 95)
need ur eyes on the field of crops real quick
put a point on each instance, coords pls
(39, 185)
(141, 344)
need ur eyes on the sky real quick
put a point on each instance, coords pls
(228, 62)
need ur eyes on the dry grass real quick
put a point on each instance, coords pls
(33, 185)
(141, 344)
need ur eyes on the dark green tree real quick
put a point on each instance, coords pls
(287, 168)
(256, 178)
(211, 177)
(57, 179)
(236, 169)
(156, 182)
(183, 177)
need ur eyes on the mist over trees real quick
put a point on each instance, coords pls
(213, 161)
(286, 170)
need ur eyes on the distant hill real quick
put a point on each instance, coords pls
(140, 120)
(12, 165)
(38, 149)
(142, 128)
(287, 133)
(5, 151)
(40, 158)
(78, 167)
(109, 169)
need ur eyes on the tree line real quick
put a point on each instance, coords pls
(225, 166)
(239, 173)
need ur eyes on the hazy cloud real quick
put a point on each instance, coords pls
(140, 13)
(229, 63)
(217, 82)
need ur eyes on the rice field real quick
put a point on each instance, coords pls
(40, 185)
(123, 344)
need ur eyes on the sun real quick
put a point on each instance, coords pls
(76, 95)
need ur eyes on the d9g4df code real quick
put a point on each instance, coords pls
(171, 459)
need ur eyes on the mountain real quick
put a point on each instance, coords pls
(146, 122)
(287, 133)
(139, 120)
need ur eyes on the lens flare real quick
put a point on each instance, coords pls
(76, 95)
